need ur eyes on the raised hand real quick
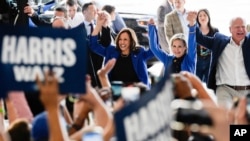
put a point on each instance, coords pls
(105, 91)
(49, 91)
(192, 15)
(202, 91)
(50, 99)
(105, 15)
(107, 68)
(101, 21)
(102, 18)
(28, 10)
(151, 21)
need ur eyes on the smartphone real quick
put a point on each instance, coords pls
(94, 134)
(116, 87)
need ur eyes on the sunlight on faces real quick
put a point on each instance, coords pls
(124, 43)
(238, 29)
(178, 45)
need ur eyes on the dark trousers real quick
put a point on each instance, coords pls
(202, 67)
(94, 64)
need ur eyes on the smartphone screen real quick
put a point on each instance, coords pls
(116, 87)
(92, 136)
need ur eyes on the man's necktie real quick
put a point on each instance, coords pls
(91, 28)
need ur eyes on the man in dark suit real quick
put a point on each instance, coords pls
(229, 74)
(95, 62)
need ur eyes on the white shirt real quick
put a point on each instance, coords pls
(231, 69)
(77, 20)
(184, 23)
(87, 26)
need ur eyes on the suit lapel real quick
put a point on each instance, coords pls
(246, 56)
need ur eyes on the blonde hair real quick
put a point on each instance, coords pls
(179, 36)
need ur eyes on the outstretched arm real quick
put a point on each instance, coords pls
(95, 46)
(192, 39)
(154, 43)
(101, 21)
(35, 17)
(49, 97)
(102, 116)
(103, 73)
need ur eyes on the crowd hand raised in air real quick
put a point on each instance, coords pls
(49, 91)
(105, 92)
(103, 73)
(101, 21)
(81, 106)
(192, 15)
(105, 15)
(151, 21)
(182, 86)
(29, 10)
(202, 91)
(102, 115)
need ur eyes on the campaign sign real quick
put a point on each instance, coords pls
(148, 118)
(29, 52)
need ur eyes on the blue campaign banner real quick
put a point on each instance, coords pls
(29, 52)
(148, 118)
